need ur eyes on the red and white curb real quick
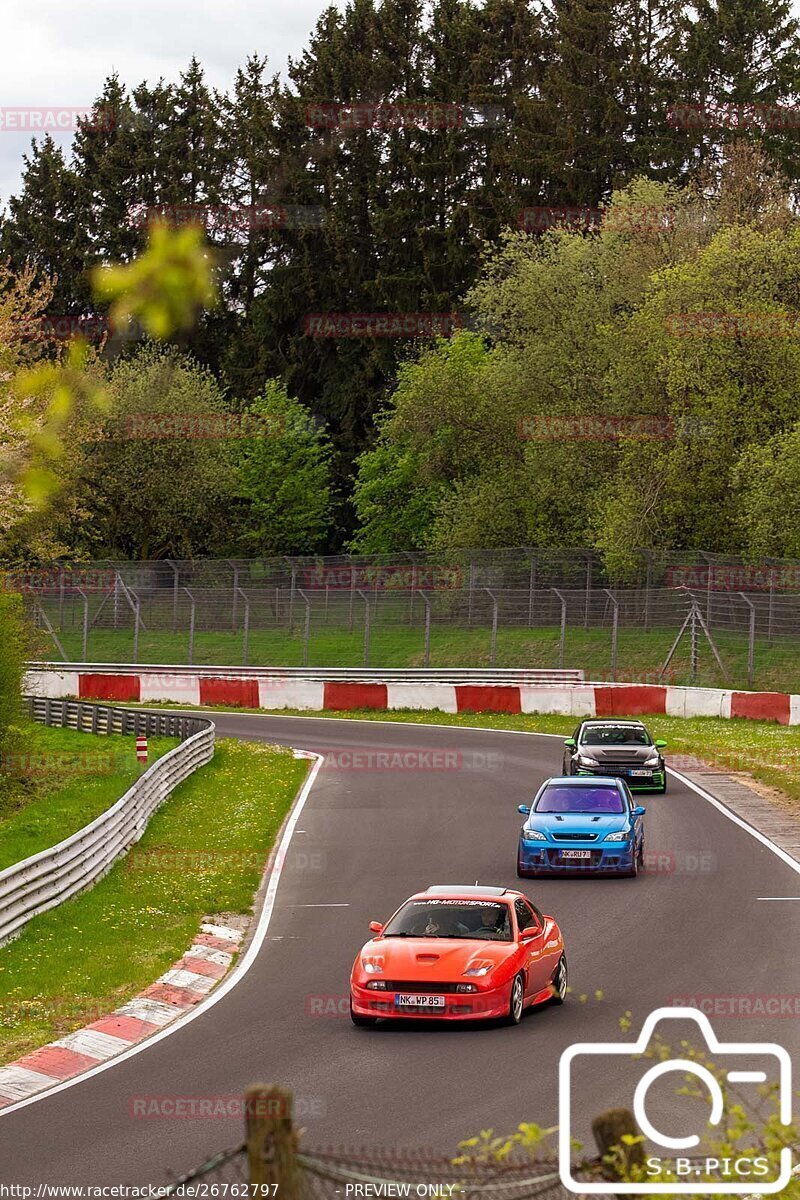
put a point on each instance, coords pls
(187, 982)
(239, 689)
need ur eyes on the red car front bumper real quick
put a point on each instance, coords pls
(458, 1006)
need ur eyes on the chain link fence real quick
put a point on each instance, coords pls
(512, 608)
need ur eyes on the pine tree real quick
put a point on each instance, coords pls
(743, 53)
(42, 227)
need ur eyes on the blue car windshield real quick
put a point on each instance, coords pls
(561, 798)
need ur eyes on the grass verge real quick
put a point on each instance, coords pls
(202, 853)
(60, 782)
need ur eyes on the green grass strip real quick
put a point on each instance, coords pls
(60, 781)
(640, 653)
(203, 853)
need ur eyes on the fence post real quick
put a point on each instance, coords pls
(493, 650)
(136, 628)
(271, 1143)
(693, 643)
(648, 583)
(352, 597)
(563, 635)
(246, 640)
(471, 586)
(771, 605)
(85, 631)
(531, 590)
(751, 639)
(365, 598)
(291, 598)
(588, 600)
(175, 586)
(191, 626)
(610, 1129)
(614, 630)
(234, 614)
(61, 601)
(307, 625)
(427, 658)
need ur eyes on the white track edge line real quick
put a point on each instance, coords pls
(737, 820)
(227, 984)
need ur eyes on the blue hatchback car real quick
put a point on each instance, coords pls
(581, 823)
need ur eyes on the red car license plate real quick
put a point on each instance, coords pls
(403, 1000)
(581, 854)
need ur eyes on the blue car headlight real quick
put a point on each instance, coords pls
(533, 835)
(622, 836)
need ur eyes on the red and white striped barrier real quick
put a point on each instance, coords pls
(241, 689)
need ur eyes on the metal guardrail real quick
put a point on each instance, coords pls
(52, 876)
(475, 675)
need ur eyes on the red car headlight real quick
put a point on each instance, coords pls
(376, 985)
(466, 987)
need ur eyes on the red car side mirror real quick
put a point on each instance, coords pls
(375, 927)
(530, 932)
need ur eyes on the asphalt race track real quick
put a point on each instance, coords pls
(365, 840)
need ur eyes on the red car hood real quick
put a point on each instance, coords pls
(439, 959)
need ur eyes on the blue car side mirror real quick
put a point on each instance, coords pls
(639, 811)
(524, 809)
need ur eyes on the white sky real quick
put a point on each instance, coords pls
(59, 52)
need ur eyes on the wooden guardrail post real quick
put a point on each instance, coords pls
(272, 1141)
(609, 1129)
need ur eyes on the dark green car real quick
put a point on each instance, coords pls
(613, 747)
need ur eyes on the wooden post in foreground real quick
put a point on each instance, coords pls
(609, 1128)
(272, 1141)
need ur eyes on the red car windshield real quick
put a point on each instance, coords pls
(480, 919)
(580, 799)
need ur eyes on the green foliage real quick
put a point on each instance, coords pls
(15, 638)
(283, 476)
(607, 413)
(166, 287)
(156, 479)
(767, 482)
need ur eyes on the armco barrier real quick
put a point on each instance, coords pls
(50, 877)
(513, 691)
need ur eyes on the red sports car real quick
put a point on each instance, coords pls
(459, 953)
